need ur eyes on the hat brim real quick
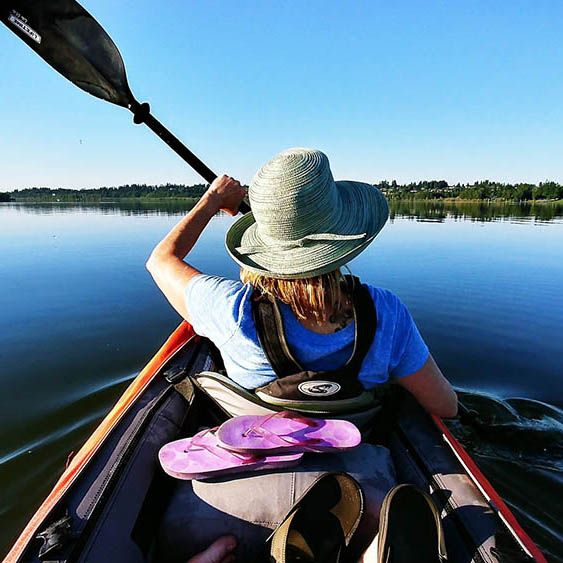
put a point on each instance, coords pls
(364, 209)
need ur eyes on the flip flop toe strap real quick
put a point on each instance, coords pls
(197, 445)
(263, 432)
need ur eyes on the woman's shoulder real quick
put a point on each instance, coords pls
(383, 297)
(207, 287)
(212, 282)
(393, 316)
(217, 295)
(216, 306)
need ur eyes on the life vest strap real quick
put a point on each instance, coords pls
(293, 382)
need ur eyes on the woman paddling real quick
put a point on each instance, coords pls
(303, 228)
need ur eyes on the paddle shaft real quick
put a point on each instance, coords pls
(142, 114)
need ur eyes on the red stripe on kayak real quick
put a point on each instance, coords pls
(483, 482)
(176, 340)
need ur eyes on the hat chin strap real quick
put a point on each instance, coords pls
(298, 243)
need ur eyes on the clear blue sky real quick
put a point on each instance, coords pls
(389, 90)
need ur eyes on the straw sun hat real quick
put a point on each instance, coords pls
(303, 223)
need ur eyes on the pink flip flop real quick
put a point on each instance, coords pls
(200, 457)
(286, 431)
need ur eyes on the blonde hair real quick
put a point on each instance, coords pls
(317, 297)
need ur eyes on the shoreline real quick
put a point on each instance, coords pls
(195, 199)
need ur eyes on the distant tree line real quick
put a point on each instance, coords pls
(129, 191)
(425, 190)
(484, 190)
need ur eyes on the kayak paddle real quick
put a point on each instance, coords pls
(65, 35)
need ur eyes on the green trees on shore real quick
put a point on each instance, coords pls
(129, 191)
(425, 190)
(484, 190)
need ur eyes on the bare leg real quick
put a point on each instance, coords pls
(220, 551)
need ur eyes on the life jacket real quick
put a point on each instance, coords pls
(337, 390)
(335, 393)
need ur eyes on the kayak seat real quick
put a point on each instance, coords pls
(235, 400)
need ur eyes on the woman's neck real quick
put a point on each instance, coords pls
(336, 320)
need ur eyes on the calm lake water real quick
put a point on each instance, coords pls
(80, 316)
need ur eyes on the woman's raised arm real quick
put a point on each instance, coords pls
(166, 262)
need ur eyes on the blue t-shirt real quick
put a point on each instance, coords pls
(220, 309)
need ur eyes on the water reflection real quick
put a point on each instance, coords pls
(439, 211)
(128, 208)
(425, 211)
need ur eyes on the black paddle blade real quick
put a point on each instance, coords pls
(64, 34)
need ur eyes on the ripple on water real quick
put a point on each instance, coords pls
(518, 444)
(41, 460)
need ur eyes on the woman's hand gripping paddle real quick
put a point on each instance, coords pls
(65, 35)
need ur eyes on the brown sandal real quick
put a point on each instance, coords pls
(320, 524)
(410, 528)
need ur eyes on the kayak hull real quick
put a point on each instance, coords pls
(109, 498)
